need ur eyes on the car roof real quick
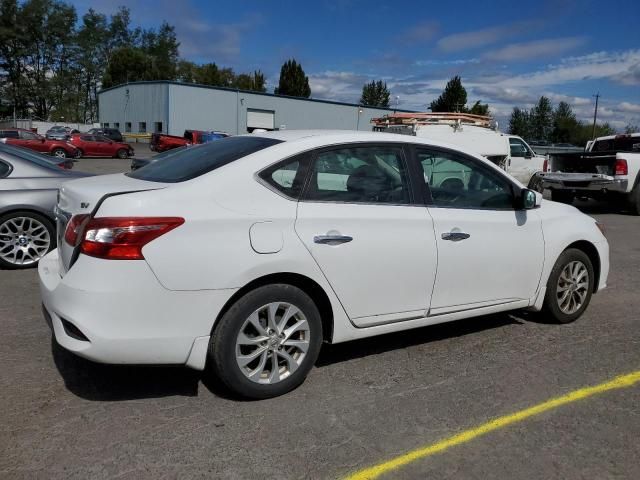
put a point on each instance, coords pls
(321, 138)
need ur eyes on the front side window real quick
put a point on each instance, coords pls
(519, 148)
(367, 174)
(460, 182)
(28, 135)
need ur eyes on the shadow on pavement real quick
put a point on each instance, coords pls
(341, 352)
(99, 382)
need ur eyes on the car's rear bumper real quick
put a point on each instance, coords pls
(114, 311)
(584, 182)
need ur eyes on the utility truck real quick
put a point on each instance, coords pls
(477, 133)
(609, 169)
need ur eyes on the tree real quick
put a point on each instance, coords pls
(631, 128)
(127, 64)
(293, 81)
(453, 98)
(564, 123)
(541, 117)
(375, 94)
(519, 122)
(479, 108)
(254, 82)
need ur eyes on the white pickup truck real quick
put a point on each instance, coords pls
(473, 132)
(608, 169)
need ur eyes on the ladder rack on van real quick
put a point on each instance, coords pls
(440, 118)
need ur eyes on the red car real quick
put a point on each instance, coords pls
(24, 138)
(100, 146)
(161, 142)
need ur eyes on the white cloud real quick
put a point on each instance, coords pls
(536, 49)
(601, 65)
(481, 38)
(422, 32)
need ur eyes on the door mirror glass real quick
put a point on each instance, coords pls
(529, 199)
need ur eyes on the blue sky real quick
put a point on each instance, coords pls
(507, 52)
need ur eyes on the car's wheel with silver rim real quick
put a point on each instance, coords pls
(122, 154)
(267, 342)
(570, 286)
(59, 153)
(25, 237)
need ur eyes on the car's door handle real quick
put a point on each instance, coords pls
(455, 236)
(332, 239)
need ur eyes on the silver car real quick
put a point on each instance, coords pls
(28, 192)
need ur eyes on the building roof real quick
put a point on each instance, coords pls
(227, 89)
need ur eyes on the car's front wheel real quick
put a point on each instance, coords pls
(569, 287)
(267, 342)
(59, 153)
(122, 154)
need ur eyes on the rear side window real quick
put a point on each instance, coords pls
(5, 168)
(288, 176)
(196, 161)
(9, 134)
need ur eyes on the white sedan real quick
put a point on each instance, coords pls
(246, 254)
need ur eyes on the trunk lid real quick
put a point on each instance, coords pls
(84, 197)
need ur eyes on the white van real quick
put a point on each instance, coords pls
(472, 132)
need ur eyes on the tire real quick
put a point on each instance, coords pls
(25, 237)
(535, 184)
(79, 153)
(59, 153)
(555, 306)
(122, 154)
(634, 200)
(227, 345)
(562, 196)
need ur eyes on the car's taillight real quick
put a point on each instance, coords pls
(545, 165)
(122, 238)
(74, 229)
(621, 167)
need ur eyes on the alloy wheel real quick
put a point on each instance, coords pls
(272, 343)
(23, 240)
(572, 288)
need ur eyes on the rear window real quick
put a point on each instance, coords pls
(618, 144)
(195, 161)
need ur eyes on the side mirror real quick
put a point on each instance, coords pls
(42, 139)
(529, 199)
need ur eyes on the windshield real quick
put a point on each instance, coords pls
(29, 156)
(193, 162)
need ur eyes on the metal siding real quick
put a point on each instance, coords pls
(181, 107)
(145, 103)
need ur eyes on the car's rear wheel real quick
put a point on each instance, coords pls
(122, 153)
(535, 184)
(561, 196)
(25, 237)
(267, 342)
(569, 287)
(59, 153)
(634, 200)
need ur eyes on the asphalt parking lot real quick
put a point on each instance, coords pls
(365, 402)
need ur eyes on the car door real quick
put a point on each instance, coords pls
(104, 146)
(522, 165)
(374, 244)
(32, 141)
(489, 253)
(89, 145)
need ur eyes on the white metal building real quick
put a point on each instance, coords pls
(173, 107)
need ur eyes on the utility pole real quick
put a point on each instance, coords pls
(595, 116)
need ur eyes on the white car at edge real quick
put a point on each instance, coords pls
(245, 254)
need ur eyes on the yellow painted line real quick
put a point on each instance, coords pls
(370, 473)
